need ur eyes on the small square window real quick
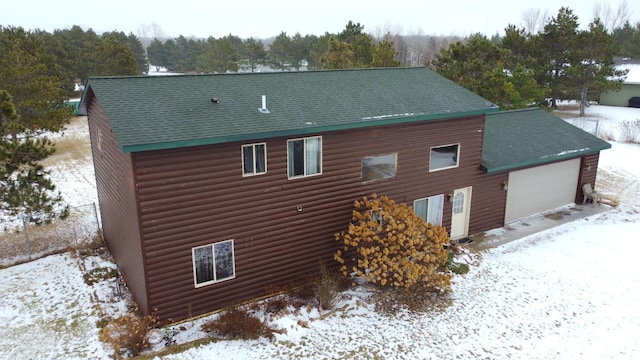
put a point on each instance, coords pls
(304, 157)
(379, 167)
(254, 159)
(213, 263)
(444, 157)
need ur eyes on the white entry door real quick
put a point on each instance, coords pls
(460, 213)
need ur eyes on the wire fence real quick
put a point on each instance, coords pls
(591, 126)
(21, 241)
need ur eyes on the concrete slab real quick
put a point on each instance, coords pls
(533, 224)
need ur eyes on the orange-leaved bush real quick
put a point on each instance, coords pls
(389, 245)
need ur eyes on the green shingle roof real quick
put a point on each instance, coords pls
(160, 112)
(519, 138)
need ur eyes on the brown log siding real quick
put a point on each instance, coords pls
(117, 197)
(587, 175)
(197, 196)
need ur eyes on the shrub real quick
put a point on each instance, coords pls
(630, 131)
(98, 274)
(127, 334)
(326, 288)
(416, 298)
(456, 267)
(388, 245)
(237, 323)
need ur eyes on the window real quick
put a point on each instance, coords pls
(430, 209)
(458, 203)
(304, 157)
(379, 167)
(444, 157)
(213, 263)
(254, 159)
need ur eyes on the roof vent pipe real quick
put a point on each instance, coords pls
(264, 109)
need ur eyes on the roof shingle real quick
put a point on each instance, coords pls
(148, 113)
(520, 138)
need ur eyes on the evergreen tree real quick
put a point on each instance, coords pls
(280, 52)
(253, 54)
(489, 71)
(156, 54)
(360, 44)
(25, 189)
(384, 55)
(591, 70)
(117, 58)
(559, 41)
(220, 56)
(338, 56)
(298, 51)
(628, 38)
(135, 46)
(318, 47)
(31, 75)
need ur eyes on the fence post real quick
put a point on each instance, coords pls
(26, 237)
(95, 214)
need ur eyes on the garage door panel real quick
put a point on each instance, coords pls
(541, 188)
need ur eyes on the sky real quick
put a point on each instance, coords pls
(268, 18)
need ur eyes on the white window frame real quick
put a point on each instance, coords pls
(253, 148)
(429, 214)
(289, 157)
(215, 277)
(395, 167)
(457, 157)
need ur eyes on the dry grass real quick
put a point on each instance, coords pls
(59, 235)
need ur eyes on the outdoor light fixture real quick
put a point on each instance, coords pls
(450, 195)
(505, 185)
(587, 166)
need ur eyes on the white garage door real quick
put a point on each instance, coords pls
(541, 188)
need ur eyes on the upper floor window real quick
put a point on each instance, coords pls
(379, 167)
(304, 157)
(444, 157)
(254, 159)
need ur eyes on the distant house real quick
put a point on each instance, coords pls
(630, 88)
(214, 187)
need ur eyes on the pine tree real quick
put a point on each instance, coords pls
(490, 71)
(384, 55)
(33, 78)
(558, 41)
(25, 189)
(387, 244)
(338, 56)
(592, 70)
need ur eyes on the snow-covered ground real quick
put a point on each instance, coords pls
(568, 292)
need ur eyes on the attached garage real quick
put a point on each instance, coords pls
(538, 189)
(544, 160)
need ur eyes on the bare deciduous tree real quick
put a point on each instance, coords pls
(534, 20)
(612, 19)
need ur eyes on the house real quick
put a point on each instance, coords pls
(213, 188)
(630, 87)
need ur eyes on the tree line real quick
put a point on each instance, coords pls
(348, 49)
(547, 60)
(559, 62)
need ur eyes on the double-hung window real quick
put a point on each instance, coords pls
(254, 159)
(213, 263)
(430, 209)
(304, 157)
